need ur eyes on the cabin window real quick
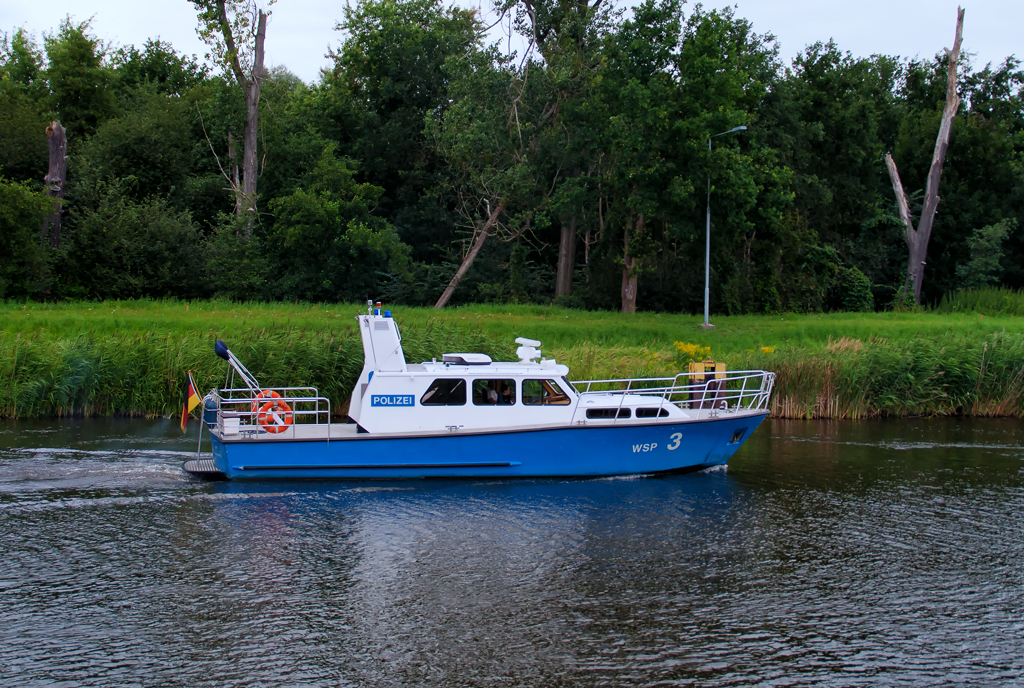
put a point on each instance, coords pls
(608, 413)
(494, 392)
(445, 392)
(651, 413)
(543, 393)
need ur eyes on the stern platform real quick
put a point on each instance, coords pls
(204, 469)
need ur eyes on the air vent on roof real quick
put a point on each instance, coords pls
(467, 359)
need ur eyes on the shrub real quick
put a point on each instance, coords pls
(128, 249)
(23, 260)
(986, 245)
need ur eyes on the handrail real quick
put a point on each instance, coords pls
(307, 408)
(728, 391)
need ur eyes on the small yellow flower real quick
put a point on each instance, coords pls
(692, 352)
(767, 349)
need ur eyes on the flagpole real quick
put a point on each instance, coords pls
(202, 411)
(202, 422)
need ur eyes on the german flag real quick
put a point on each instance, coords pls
(191, 402)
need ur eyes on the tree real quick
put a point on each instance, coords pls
(236, 31)
(641, 133)
(982, 177)
(568, 35)
(917, 239)
(79, 80)
(25, 113)
(55, 180)
(151, 142)
(829, 119)
(158, 64)
(388, 75)
(490, 178)
(668, 85)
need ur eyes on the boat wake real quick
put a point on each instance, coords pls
(161, 498)
(907, 446)
(53, 469)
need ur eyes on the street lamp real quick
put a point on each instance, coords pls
(707, 240)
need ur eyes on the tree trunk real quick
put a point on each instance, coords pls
(234, 173)
(54, 181)
(586, 240)
(245, 198)
(467, 262)
(252, 112)
(917, 240)
(630, 272)
(566, 259)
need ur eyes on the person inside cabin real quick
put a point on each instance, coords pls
(492, 393)
(506, 394)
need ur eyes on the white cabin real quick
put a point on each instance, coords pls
(466, 391)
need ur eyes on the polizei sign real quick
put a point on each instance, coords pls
(392, 400)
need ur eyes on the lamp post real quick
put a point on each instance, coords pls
(707, 238)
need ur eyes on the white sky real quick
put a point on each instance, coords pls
(300, 31)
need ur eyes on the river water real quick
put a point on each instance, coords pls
(871, 553)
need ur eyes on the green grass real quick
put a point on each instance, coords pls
(556, 328)
(132, 357)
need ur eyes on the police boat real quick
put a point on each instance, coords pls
(466, 416)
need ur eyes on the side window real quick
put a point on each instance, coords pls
(651, 413)
(543, 393)
(609, 413)
(445, 392)
(494, 392)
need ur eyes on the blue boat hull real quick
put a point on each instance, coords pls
(579, 451)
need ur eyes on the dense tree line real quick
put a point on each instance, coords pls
(576, 172)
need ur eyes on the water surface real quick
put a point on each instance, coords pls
(827, 554)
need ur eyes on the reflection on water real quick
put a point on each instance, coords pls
(828, 554)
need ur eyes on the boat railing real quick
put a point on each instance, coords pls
(709, 393)
(239, 411)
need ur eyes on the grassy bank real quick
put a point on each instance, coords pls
(132, 357)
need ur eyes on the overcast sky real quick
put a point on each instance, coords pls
(300, 31)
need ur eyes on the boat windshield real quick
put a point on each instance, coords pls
(544, 393)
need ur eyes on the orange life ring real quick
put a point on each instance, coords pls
(265, 394)
(275, 415)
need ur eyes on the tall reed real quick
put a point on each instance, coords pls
(988, 300)
(145, 373)
(132, 357)
(950, 374)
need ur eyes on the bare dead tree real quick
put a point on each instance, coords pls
(917, 239)
(55, 180)
(240, 48)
